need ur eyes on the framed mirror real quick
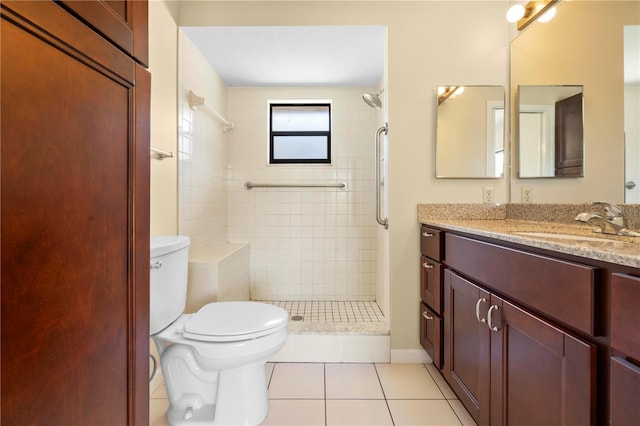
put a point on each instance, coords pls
(550, 131)
(470, 131)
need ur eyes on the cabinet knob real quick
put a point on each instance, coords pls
(427, 265)
(426, 316)
(427, 234)
(490, 318)
(480, 301)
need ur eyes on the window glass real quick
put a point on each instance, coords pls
(300, 133)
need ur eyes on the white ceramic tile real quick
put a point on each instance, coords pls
(159, 393)
(158, 412)
(297, 381)
(317, 348)
(462, 413)
(407, 381)
(422, 412)
(295, 412)
(352, 381)
(365, 348)
(357, 412)
(442, 384)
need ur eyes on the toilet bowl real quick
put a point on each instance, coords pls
(213, 361)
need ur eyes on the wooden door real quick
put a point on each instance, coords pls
(75, 223)
(540, 375)
(123, 22)
(569, 137)
(467, 344)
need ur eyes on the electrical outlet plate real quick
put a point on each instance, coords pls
(527, 195)
(487, 194)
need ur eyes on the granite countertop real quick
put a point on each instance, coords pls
(506, 222)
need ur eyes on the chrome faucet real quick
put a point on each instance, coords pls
(613, 222)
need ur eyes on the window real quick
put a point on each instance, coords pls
(300, 133)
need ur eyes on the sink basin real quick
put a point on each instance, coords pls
(566, 237)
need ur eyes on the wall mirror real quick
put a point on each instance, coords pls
(593, 44)
(550, 131)
(470, 131)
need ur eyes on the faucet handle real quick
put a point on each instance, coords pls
(611, 210)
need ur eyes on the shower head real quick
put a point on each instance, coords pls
(373, 100)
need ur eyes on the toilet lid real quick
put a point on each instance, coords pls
(232, 321)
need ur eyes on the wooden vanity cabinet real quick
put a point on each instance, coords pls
(509, 367)
(431, 323)
(513, 353)
(625, 345)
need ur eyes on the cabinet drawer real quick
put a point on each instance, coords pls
(431, 241)
(625, 388)
(431, 283)
(431, 327)
(625, 315)
(563, 290)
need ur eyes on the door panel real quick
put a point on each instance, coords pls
(71, 237)
(539, 374)
(467, 345)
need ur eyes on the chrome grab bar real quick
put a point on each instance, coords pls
(382, 130)
(250, 185)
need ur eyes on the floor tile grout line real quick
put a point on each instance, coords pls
(324, 368)
(386, 401)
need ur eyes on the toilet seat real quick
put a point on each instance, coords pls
(234, 321)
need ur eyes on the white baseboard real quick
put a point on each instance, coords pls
(410, 356)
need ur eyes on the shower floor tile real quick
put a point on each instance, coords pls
(330, 311)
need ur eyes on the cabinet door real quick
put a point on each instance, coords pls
(123, 22)
(625, 316)
(431, 283)
(431, 334)
(625, 388)
(467, 344)
(75, 224)
(539, 374)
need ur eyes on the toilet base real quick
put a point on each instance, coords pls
(235, 396)
(202, 416)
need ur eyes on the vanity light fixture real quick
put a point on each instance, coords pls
(448, 92)
(542, 10)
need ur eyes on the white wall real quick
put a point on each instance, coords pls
(202, 151)
(163, 49)
(306, 243)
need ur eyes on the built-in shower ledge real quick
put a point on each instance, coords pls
(336, 342)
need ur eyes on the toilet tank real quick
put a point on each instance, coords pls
(168, 280)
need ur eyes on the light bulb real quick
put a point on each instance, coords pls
(548, 15)
(515, 13)
(441, 90)
(459, 90)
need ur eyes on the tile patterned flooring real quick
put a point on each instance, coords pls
(314, 312)
(366, 394)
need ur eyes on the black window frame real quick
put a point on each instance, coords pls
(273, 134)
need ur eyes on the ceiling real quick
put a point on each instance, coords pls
(295, 55)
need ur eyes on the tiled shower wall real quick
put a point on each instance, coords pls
(306, 243)
(202, 152)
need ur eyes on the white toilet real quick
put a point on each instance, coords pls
(213, 361)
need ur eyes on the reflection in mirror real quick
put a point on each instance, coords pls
(550, 131)
(631, 113)
(470, 132)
